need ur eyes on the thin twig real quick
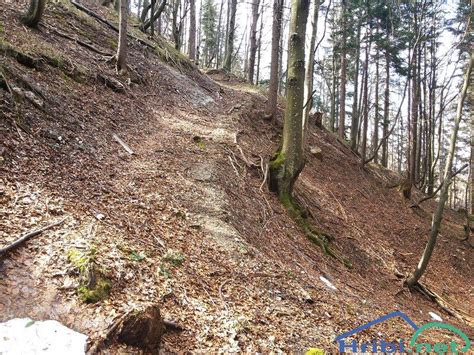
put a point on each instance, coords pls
(29, 235)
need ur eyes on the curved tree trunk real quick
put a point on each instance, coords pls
(34, 13)
(147, 23)
(288, 162)
(122, 42)
(443, 196)
(271, 108)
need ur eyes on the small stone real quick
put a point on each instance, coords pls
(317, 152)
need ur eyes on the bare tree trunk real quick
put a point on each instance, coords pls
(355, 113)
(366, 98)
(259, 46)
(253, 40)
(152, 23)
(219, 36)
(308, 94)
(413, 129)
(375, 139)
(438, 214)
(192, 30)
(274, 78)
(34, 13)
(386, 108)
(288, 161)
(342, 97)
(122, 41)
(146, 23)
(230, 38)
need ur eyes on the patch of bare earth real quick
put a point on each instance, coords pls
(185, 222)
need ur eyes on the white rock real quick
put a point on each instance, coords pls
(327, 282)
(25, 336)
(435, 317)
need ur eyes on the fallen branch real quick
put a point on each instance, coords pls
(109, 24)
(111, 83)
(265, 172)
(28, 236)
(123, 144)
(433, 296)
(77, 40)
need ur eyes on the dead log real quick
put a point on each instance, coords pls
(28, 236)
(78, 41)
(111, 83)
(109, 24)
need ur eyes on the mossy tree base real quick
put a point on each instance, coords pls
(281, 181)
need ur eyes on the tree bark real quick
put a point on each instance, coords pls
(152, 24)
(275, 58)
(230, 37)
(375, 138)
(288, 161)
(413, 129)
(253, 40)
(147, 22)
(366, 98)
(355, 112)
(342, 97)
(308, 94)
(34, 13)
(122, 41)
(219, 36)
(192, 30)
(386, 108)
(412, 280)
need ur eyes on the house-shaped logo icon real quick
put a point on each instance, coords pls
(384, 346)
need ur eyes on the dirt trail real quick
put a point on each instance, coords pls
(186, 223)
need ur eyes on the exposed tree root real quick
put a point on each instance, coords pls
(24, 59)
(316, 236)
(77, 40)
(443, 304)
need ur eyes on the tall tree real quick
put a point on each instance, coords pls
(122, 41)
(230, 37)
(342, 91)
(355, 110)
(209, 32)
(308, 94)
(192, 30)
(253, 40)
(412, 280)
(288, 161)
(271, 108)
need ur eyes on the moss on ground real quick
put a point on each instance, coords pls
(93, 286)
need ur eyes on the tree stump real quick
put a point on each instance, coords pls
(143, 329)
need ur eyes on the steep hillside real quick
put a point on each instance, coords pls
(186, 222)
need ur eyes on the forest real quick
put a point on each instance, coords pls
(258, 176)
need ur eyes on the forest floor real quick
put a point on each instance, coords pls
(186, 222)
